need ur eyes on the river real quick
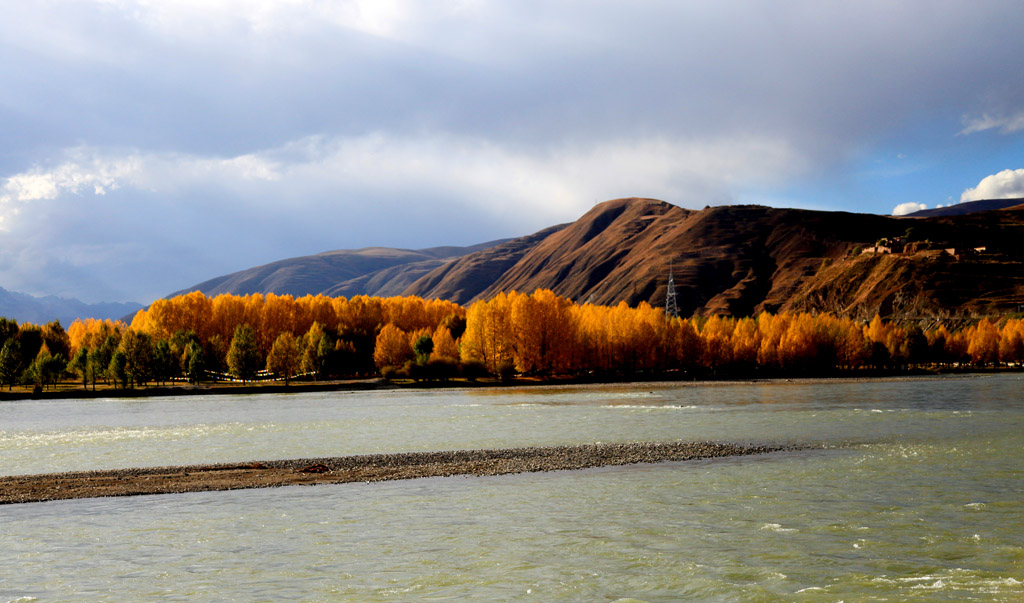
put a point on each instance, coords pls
(916, 493)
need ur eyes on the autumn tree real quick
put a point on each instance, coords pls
(392, 347)
(983, 343)
(445, 347)
(1011, 341)
(316, 347)
(285, 356)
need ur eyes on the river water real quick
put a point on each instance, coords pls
(917, 493)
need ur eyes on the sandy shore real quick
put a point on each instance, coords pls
(365, 468)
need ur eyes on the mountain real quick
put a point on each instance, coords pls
(367, 271)
(967, 207)
(470, 276)
(733, 260)
(974, 267)
(41, 310)
(740, 260)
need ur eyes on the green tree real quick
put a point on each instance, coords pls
(104, 356)
(96, 365)
(196, 362)
(316, 348)
(423, 347)
(53, 369)
(165, 365)
(285, 356)
(116, 371)
(30, 337)
(138, 352)
(47, 368)
(56, 339)
(80, 365)
(10, 362)
(180, 343)
(244, 354)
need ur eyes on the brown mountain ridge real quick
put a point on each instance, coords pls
(740, 260)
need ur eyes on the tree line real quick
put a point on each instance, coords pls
(196, 337)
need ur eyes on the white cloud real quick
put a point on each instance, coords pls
(1006, 124)
(556, 183)
(1007, 184)
(908, 208)
(115, 221)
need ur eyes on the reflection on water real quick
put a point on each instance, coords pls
(917, 497)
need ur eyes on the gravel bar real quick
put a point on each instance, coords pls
(362, 468)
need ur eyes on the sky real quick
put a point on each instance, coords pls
(148, 145)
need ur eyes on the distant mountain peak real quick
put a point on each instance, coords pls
(40, 310)
(967, 207)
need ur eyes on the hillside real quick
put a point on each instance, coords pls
(735, 260)
(740, 260)
(367, 271)
(977, 270)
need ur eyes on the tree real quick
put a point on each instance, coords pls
(195, 363)
(8, 329)
(244, 354)
(165, 365)
(105, 355)
(116, 371)
(445, 347)
(285, 356)
(56, 339)
(314, 346)
(983, 343)
(52, 368)
(138, 352)
(325, 356)
(10, 362)
(392, 347)
(96, 366)
(423, 347)
(80, 365)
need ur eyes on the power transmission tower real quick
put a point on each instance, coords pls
(671, 308)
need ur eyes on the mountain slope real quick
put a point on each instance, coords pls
(468, 277)
(967, 207)
(733, 260)
(737, 260)
(984, 274)
(342, 272)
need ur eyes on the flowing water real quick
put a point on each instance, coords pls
(917, 493)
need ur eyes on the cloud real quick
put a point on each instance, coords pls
(1007, 184)
(146, 139)
(1007, 124)
(558, 181)
(141, 215)
(908, 208)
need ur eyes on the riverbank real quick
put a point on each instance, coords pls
(361, 468)
(212, 389)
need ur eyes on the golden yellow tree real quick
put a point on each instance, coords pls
(445, 348)
(983, 343)
(392, 347)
